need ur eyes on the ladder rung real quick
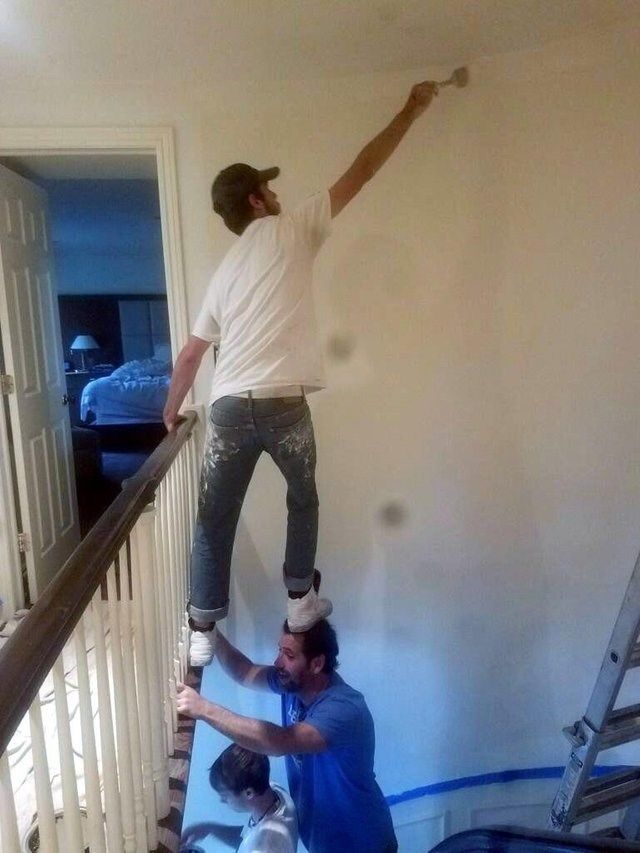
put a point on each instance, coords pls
(608, 793)
(623, 726)
(607, 832)
(574, 734)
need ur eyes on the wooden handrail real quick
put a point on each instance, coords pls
(30, 652)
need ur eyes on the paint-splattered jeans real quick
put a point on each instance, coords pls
(240, 430)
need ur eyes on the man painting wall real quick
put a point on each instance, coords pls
(259, 304)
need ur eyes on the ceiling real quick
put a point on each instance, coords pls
(208, 41)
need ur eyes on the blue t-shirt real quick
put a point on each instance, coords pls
(340, 806)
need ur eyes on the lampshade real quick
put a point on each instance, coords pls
(84, 342)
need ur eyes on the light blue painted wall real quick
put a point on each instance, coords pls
(106, 236)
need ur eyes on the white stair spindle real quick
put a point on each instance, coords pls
(132, 699)
(95, 817)
(174, 563)
(146, 542)
(112, 810)
(173, 538)
(182, 496)
(172, 608)
(8, 819)
(42, 780)
(171, 598)
(193, 483)
(125, 773)
(168, 519)
(142, 683)
(180, 576)
(179, 565)
(72, 824)
(163, 628)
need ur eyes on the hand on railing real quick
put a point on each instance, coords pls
(189, 702)
(172, 420)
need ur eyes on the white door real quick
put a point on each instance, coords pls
(33, 357)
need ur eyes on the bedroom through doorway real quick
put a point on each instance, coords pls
(106, 237)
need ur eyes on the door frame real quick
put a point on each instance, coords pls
(75, 141)
(11, 583)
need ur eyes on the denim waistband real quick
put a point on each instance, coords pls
(264, 406)
(279, 392)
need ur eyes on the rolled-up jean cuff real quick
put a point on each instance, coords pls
(204, 616)
(294, 584)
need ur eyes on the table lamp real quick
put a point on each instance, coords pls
(83, 344)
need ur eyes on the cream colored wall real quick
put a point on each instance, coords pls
(486, 283)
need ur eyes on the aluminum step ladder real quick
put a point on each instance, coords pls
(582, 796)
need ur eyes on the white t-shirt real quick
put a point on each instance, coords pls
(275, 833)
(259, 304)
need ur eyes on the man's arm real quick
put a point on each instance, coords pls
(230, 835)
(239, 667)
(257, 735)
(184, 372)
(378, 151)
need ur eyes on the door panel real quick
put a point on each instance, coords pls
(33, 356)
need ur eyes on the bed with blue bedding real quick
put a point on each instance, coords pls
(123, 413)
(133, 393)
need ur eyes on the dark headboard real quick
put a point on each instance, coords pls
(99, 316)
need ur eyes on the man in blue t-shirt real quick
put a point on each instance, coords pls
(327, 736)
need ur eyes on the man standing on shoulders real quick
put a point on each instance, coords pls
(327, 736)
(260, 306)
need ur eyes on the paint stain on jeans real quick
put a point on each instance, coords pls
(218, 449)
(299, 443)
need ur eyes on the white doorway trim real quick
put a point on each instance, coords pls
(78, 141)
(22, 141)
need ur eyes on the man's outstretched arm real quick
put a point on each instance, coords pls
(378, 151)
(184, 372)
(238, 666)
(256, 735)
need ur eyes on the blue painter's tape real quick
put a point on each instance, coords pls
(499, 778)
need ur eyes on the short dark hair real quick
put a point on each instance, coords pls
(238, 768)
(320, 639)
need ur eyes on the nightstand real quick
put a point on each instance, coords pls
(76, 380)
